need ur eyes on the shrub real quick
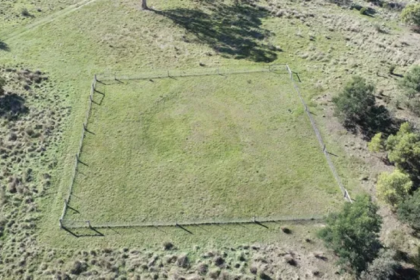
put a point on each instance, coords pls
(2, 84)
(376, 143)
(384, 267)
(411, 82)
(411, 14)
(404, 149)
(355, 101)
(363, 11)
(25, 12)
(393, 187)
(409, 211)
(353, 233)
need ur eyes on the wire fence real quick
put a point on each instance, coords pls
(107, 77)
(319, 137)
(74, 224)
(79, 151)
(195, 72)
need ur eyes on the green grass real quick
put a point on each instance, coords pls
(217, 147)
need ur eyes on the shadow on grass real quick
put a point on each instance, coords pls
(85, 232)
(12, 106)
(378, 119)
(234, 31)
(4, 46)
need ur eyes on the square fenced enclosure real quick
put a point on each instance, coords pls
(200, 148)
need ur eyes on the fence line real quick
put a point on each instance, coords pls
(191, 73)
(72, 224)
(319, 137)
(254, 220)
(77, 158)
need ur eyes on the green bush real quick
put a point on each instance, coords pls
(384, 267)
(355, 101)
(411, 14)
(363, 11)
(411, 82)
(376, 144)
(409, 211)
(353, 233)
(393, 187)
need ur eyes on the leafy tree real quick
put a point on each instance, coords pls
(353, 233)
(411, 14)
(393, 187)
(384, 267)
(409, 210)
(404, 149)
(355, 101)
(376, 144)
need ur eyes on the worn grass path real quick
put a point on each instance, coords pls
(16, 33)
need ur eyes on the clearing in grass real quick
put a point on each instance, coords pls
(200, 148)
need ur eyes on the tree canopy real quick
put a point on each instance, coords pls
(393, 187)
(353, 233)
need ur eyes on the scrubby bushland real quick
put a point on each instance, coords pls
(353, 233)
(384, 267)
(411, 14)
(393, 187)
(409, 210)
(411, 85)
(355, 107)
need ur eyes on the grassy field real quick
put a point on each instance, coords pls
(210, 147)
(70, 42)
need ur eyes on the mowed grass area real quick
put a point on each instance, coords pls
(213, 147)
